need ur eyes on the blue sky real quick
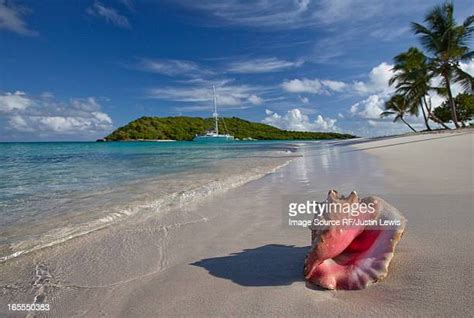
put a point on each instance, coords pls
(75, 70)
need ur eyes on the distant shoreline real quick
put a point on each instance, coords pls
(183, 128)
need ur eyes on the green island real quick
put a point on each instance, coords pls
(183, 128)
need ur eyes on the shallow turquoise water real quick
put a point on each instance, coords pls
(44, 186)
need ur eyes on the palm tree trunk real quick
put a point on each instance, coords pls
(408, 124)
(451, 101)
(425, 118)
(433, 116)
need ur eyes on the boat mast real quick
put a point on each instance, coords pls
(215, 109)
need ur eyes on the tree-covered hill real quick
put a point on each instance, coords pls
(186, 128)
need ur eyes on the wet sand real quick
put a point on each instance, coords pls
(233, 255)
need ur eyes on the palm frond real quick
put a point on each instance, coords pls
(469, 25)
(397, 118)
(463, 78)
(427, 38)
(386, 113)
(468, 56)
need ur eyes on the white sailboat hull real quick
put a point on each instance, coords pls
(214, 138)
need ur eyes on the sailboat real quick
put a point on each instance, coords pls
(213, 135)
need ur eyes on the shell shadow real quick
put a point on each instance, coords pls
(268, 265)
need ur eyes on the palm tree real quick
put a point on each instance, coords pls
(412, 80)
(397, 105)
(447, 41)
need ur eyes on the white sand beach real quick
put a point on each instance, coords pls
(233, 256)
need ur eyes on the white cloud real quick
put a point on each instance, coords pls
(300, 13)
(109, 14)
(325, 124)
(303, 86)
(46, 115)
(335, 86)
(468, 67)
(333, 11)
(377, 82)
(59, 124)
(376, 87)
(277, 13)
(11, 19)
(172, 67)
(290, 14)
(255, 100)
(304, 99)
(313, 86)
(389, 34)
(14, 101)
(263, 65)
(370, 108)
(201, 93)
(294, 119)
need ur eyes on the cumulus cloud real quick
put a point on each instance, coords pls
(335, 86)
(255, 100)
(262, 65)
(325, 124)
(24, 113)
(14, 102)
(369, 108)
(11, 19)
(313, 86)
(377, 82)
(96, 121)
(294, 119)
(302, 86)
(110, 15)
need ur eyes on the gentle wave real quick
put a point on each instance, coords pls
(160, 205)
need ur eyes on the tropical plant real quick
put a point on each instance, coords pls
(412, 80)
(464, 108)
(399, 106)
(447, 42)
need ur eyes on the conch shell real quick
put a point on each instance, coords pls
(358, 255)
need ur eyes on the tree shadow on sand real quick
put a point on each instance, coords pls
(268, 265)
